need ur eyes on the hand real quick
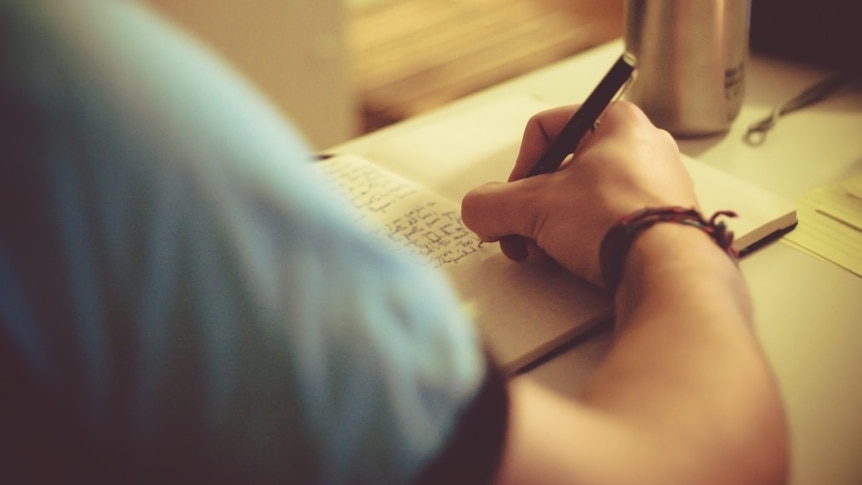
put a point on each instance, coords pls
(626, 164)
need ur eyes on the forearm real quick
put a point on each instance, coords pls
(685, 366)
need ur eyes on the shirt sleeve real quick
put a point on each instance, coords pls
(175, 275)
(474, 452)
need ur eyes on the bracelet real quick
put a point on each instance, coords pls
(616, 243)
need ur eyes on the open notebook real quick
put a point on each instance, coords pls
(523, 310)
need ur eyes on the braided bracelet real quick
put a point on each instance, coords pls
(615, 245)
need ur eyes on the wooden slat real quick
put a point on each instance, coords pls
(412, 55)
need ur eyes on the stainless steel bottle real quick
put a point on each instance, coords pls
(691, 57)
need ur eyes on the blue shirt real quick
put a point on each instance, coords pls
(173, 274)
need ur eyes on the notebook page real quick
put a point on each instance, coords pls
(523, 310)
(830, 224)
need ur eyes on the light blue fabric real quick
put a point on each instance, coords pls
(171, 269)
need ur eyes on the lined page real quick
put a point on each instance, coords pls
(522, 310)
(401, 213)
(830, 224)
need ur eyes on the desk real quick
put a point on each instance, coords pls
(807, 310)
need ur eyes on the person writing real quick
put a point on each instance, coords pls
(182, 302)
(685, 390)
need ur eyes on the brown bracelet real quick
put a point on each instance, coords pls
(615, 245)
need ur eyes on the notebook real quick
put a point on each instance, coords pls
(407, 191)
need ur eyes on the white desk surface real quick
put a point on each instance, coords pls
(808, 311)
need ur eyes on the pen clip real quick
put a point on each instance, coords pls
(616, 97)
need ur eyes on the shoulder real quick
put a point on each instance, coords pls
(181, 250)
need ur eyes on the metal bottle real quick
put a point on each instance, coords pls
(691, 57)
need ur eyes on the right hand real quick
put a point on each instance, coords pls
(626, 164)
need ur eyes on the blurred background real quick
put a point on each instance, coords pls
(341, 68)
(413, 55)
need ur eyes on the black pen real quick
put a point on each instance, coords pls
(586, 117)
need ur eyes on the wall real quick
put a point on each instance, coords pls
(294, 50)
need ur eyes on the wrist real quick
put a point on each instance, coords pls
(618, 241)
(671, 246)
(679, 269)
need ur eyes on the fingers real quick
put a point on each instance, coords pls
(515, 247)
(625, 165)
(496, 210)
(519, 248)
(620, 121)
(488, 210)
(540, 131)
(499, 212)
(624, 115)
(543, 128)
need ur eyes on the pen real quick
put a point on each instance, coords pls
(586, 117)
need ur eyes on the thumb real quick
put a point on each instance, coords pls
(498, 209)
